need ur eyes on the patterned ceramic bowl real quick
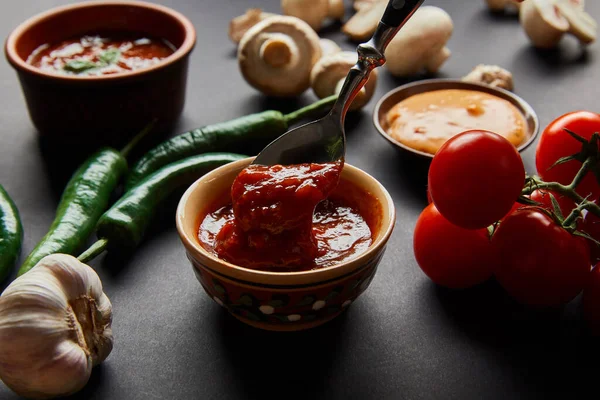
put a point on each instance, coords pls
(282, 301)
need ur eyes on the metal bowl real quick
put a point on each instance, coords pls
(394, 96)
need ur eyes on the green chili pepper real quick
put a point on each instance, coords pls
(11, 234)
(83, 201)
(125, 223)
(256, 130)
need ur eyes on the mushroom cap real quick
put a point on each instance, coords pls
(276, 55)
(313, 12)
(542, 22)
(359, 4)
(336, 9)
(501, 5)
(496, 5)
(330, 71)
(421, 39)
(363, 23)
(329, 47)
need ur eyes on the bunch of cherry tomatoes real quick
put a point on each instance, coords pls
(537, 236)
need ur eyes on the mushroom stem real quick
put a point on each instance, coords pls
(277, 51)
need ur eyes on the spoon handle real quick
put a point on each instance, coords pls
(371, 53)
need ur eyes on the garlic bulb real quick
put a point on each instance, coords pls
(55, 325)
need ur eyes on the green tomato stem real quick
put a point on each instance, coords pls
(569, 191)
(585, 168)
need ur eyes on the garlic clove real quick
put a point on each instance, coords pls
(491, 75)
(55, 325)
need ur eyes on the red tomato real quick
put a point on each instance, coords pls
(591, 300)
(555, 143)
(475, 178)
(540, 263)
(451, 256)
(591, 226)
(543, 197)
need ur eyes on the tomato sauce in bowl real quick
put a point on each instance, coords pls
(96, 54)
(289, 218)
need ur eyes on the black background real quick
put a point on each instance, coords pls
(405, 337)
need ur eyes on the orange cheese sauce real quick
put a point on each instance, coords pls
(425, 121)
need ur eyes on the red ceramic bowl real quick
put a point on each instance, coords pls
(110, 107)
(281, 301)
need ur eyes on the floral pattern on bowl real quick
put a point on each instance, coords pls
(290, 308)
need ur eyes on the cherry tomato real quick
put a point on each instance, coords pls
(591, 226)
(555, 143)
(475, 178)
(591, 300)
(565, 204)
(540, 263)
(449, 255)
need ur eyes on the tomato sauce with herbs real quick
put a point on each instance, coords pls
(101, 55)
(287, 218)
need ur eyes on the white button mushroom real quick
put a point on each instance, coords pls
(276, 55)
(55, 325)
(421, 43)
(313, 12)
(546, 21)
(240, 25)
(491, 75)
(543, 23)
(362, 25)
(581, 24)
(360, 4)
(502, 5)
(329, 47)
(329, 74)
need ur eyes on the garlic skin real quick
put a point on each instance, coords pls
(55, 325)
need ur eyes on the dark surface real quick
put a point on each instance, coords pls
(404, 338)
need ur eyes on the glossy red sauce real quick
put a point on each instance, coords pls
(100, 55)
(285, 218)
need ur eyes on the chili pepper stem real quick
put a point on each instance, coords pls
(138, 138)
(93, 251)
(297, 115)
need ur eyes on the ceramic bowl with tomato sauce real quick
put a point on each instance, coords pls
(102, 70)
(284, 297)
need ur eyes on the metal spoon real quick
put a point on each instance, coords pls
(324, 140)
